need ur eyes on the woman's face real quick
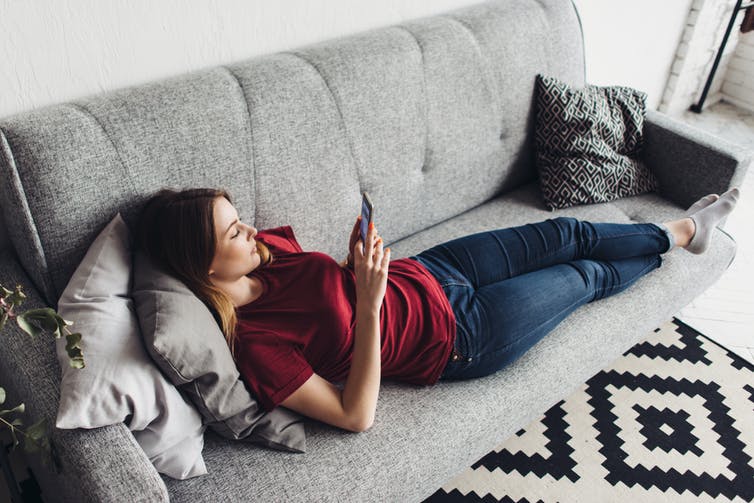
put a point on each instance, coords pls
(236, 252)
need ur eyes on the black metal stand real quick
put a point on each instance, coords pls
(698, 106)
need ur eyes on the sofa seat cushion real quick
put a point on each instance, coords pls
(518, 207)
(407, 415)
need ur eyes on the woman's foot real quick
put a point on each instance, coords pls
(700, 204)
(694, 231)
(706, 219)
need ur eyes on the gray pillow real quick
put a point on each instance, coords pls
(186, 342)
(588, 143)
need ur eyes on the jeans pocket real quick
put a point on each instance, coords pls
(461, 347)
(453, 281)
(459, 361)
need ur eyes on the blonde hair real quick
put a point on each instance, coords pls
(176, 230)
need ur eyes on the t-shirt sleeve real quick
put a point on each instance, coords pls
(279, 240)
(272, 370)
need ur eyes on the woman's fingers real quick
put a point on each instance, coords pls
(374, 253)
(383, 255)
(358, 252)
(371, 239)
(386, 259)
(377, 255)
(356, 229)
(355, 234)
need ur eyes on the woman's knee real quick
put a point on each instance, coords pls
(608, 277)
(568, 227)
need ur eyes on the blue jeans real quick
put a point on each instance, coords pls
(509, 287)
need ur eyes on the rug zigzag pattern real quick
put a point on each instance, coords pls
(671, 420)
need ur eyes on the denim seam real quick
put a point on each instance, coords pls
(617, 237)
(590, 240)
(460, 327)
(504, 251)
(453, 283)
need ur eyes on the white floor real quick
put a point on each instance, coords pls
(725, 312)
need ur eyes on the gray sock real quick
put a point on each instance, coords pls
(701, 203)
(707, 218)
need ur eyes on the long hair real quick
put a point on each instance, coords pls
(176, 230)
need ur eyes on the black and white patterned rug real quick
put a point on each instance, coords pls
(671, 420)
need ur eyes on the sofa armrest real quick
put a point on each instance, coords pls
(101, 464)
(688, 162)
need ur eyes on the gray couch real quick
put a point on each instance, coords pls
(434, 119)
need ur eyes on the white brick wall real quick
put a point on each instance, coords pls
(697, 49)
(738, 86)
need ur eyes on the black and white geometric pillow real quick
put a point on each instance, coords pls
(588, 143)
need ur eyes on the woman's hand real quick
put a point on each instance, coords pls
(371, 266)
(355, 234)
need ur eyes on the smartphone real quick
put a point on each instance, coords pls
(367, 213)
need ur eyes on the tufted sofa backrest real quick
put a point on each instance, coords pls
(432, 117)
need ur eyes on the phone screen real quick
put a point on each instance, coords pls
(366, 216)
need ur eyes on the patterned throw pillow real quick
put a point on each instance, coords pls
(588, 143)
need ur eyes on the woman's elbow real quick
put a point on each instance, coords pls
(362, 425)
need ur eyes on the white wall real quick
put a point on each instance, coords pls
(705, 29)
(54, 51)
(738, 87)
(632, 43)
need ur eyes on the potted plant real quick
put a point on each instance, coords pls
(34, 322)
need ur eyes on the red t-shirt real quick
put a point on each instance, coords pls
(305, 318)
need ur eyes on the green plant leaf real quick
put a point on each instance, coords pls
(46, 317)
(3, 319)
(18, 408)
(74, 351)
(2, 396)
(60, 324)
(26, 325)
(17, 297)
(17, 422)
(37, 430)
(36, 437)
(6, 292)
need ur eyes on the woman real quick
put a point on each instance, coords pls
(297, 322)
